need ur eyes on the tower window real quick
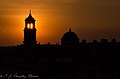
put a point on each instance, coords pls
(30, 26)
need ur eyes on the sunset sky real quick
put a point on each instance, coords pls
(89, 19)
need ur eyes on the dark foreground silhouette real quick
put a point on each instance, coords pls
(70, 60)
(96, 60)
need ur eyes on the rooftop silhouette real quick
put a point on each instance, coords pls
(72, 58)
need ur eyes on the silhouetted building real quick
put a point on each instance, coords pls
(29, 31)
(95, 41)
(83, 41)
(87, 60)
(113, 40)
(104, 41)
(70, 39)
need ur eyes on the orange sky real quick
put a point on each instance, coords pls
(90, 19)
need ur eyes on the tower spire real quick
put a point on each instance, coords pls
(30, 31)
(30, 11)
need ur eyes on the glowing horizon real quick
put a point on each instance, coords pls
(88, 19)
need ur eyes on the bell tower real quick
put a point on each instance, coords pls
(30, 31)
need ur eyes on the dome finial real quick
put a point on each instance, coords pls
(69, 29)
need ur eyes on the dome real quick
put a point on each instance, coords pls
(70, 38)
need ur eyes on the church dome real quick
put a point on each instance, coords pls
(69, 38)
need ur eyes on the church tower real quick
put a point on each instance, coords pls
(30, 31)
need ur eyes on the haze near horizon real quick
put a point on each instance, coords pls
(89, 19)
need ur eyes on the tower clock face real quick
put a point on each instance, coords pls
(30, 26)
